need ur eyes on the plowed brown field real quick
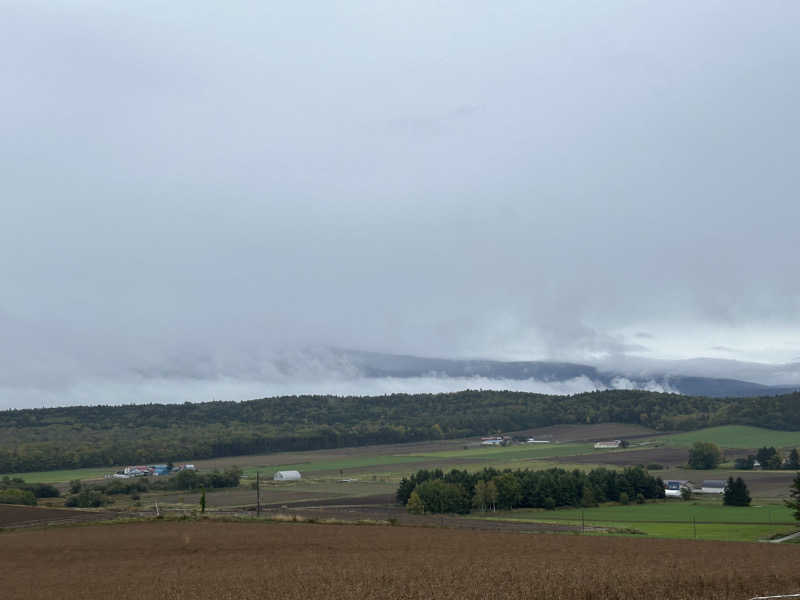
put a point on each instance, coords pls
(244, 561)
(12, 515)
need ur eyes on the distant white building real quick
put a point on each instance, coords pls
(287, 476)
(713, 486)
(673, 487)
(492, 441)
(535, 441)
(608, 444)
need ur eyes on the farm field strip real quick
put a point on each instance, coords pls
(673, 511)
(725, 532)
(707, 520)
(304, 561)
(732, 436)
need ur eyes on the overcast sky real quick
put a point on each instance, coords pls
(189, 188)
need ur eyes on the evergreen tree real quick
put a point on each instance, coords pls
(794, 497)
(769, 458)
(736, 493)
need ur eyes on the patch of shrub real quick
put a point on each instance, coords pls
(39, 490)
(87, 499)
(17, 496)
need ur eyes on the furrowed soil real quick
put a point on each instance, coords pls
(198, 560)
(31, 516)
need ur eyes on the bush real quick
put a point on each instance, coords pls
(415, 505)
(39, 490)
(624, 498)
(704, 455)
(17, 496)
(87, 499)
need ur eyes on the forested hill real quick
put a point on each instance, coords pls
(55, 438)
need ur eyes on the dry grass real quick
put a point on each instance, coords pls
(217, 560)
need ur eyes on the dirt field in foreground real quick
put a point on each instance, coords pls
(32, 516)
(197, 560)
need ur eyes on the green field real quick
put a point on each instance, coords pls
(733, 436)
(519, 451)
(64, 475)
(336, 464)
(706, 519)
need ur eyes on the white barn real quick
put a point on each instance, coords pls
(713, 486)
(287, 476)
(608, 444)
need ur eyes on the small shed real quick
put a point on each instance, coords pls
(713, 486)
(287, 476)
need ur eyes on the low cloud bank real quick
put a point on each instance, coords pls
(170, 390)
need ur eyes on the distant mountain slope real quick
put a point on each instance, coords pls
(396, 365)
(373, 364)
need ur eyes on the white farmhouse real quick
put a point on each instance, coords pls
(608, 444)
(287, 476)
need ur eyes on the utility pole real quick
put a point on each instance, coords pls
(258, 494)
(694, 527)
(583, 523)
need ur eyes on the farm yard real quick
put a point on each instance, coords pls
(208, 559)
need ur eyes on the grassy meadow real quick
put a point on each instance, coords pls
(702, 519)
(733, 436)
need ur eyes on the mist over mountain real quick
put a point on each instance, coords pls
(584, 195)
(684, 377)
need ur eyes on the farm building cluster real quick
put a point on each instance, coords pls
(151, 470)
(507, 440)
(675, 487)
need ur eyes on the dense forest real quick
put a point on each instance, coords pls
(73, 437)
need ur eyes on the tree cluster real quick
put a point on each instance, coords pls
(771, 459)
(39, 490)
(459, 491)
(704, 455)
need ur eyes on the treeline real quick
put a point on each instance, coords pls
(92, 436)
(458, 491)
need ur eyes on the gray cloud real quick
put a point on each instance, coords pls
(192, 190)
